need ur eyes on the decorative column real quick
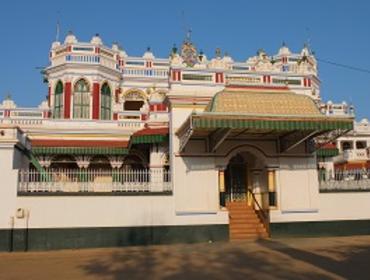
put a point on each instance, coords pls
(67, 100)
(271, 184)
(221, 187)
(116, 163)
(156, 164)
(45, 161)
(96, 101)
(256, 184)
(83, 163)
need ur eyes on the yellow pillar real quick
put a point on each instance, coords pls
(271, 187)
(221, 180)
(221, 186)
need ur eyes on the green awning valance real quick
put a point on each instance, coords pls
(148, 139)
(327, 152)
(79, 151)
(270, 124)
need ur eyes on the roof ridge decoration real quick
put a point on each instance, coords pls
(189, 52)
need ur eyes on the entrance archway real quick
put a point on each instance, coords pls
(245, 172)
(236, 178)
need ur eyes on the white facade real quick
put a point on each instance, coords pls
(145, 103)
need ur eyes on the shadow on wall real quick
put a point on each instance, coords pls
(245, 260)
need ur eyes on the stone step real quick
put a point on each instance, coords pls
(243, 219)
(244, 223)
(249, 236)
(246, 226)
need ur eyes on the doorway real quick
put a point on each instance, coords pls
(236, 179)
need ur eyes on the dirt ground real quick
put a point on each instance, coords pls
(298, 258)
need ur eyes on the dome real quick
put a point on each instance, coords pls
(284, 50)
(148, 54)
(364, 121)
(122, 53)
(227, 59)
(96, 40)
(115, 46)
(305, 51)
(55, 44)
(70, 38)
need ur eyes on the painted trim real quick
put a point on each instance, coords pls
(79, 151)
(93, 237)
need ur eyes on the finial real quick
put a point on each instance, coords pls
(97, 34)
(174, 49)
(148, 49)
(70, 32)
(8, 97)
(283, 44)
(260, 51)
(218, 52)
(200, 56)
(188, 35)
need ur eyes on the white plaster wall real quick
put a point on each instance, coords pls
(332, 207)
(196, 185)
(299, 198)
(107, 211)
(8, 185)
(344, 206)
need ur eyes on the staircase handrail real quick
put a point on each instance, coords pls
(262, 213)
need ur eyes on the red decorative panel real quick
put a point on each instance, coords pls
(96, 101)
(67, 100)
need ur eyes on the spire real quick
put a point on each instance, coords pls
(188, 35)
(57, 32)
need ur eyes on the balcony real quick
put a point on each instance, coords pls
(353, 155)
(99, 182)
(344, 180)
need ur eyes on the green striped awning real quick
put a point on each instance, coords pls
(148, 139)
(324, 152)
(79, 151)
(270, 124)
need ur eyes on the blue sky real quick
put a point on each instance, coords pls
(339, 31)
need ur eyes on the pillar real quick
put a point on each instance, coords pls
(271, 184)
(116, 163)
(221, 187)
(96, 101)
(156, 163)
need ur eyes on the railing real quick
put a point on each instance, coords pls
(359, 154)
(344, 180)
(263, 214)
(88, 180)
(150, 72)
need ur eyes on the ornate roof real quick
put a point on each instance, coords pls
(251, 102)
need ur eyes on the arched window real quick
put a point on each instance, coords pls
(81, 100)
(58, 101)
(134, 100)
(105, 102)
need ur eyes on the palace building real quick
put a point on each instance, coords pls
(147, 150)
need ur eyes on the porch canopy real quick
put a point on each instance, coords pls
(280, 115)
(79, 147)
